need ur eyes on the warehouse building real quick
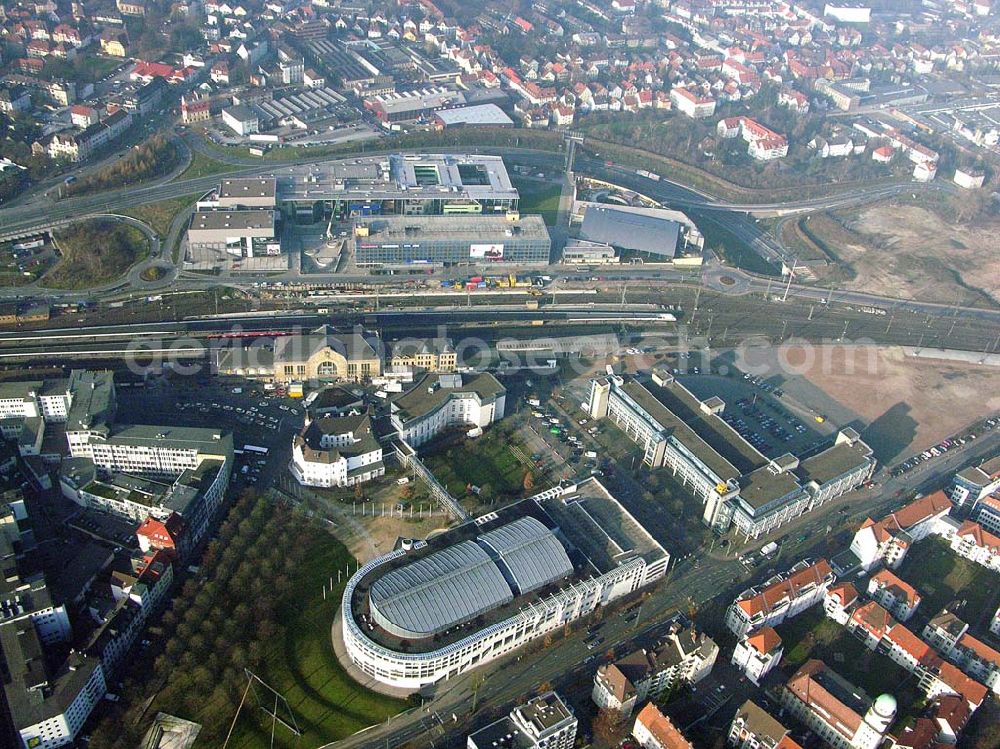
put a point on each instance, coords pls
(247, 192)
(451, 240)
(440, 607)
(483, 115)
(654, 232)
(243, 233)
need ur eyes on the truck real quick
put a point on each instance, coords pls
(769, 550)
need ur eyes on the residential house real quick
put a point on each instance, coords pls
(758, 653)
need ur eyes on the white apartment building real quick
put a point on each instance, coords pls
(839, 602)
(898, 597)
(685, 656)
(995, 622)
(691, 104)
(978, 545)
(544, 722)
(950, 636)
(440, 401)
(336, 451)
(887, 541)
(654, 730)
(835, 710)
(84, 402)
(758, 653)
(782, 597)
(975, 482)
(48, 708)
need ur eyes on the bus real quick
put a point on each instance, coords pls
(255, 449)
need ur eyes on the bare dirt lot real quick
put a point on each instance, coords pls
(908, 251)
(907, 404)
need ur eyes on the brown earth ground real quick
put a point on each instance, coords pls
(910, 251)
(908, 404)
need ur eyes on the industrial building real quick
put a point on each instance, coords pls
(735, 482)
(451, 240)
(656, 233)
(480, 590)
(243, 233)
(411, 184)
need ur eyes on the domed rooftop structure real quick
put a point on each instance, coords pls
(885, 706)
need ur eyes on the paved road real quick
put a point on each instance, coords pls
(25, 218)
(696, 581)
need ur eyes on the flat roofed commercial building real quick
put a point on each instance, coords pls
(244, 233)
(248, 192)
(641, 232)
(488, 586)
(411, 185)
(544, 722)
(480, 114)
(451, 240)
(735, 482)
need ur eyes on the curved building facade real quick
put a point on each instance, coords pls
(414, 618)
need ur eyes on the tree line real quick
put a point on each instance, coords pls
(153, 158)
(217, 625)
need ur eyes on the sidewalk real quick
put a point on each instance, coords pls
(356, 673)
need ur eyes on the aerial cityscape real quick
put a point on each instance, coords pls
(569, 374)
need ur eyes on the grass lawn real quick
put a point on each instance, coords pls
(812, 635)
(492, 462)
(160, 215)
(203, 166)
(941, 577)
(539, 197)
(328, 705)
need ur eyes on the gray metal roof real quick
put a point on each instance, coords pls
(528, 553)
(436, 592)
(631, 230)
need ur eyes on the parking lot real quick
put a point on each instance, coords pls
(956, 440)
(762, 414)
(255, 417)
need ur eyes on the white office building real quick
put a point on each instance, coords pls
(440, 401)
(336, 451)
(735, 482)
(544, 722)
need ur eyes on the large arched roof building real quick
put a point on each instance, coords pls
(482, 589)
